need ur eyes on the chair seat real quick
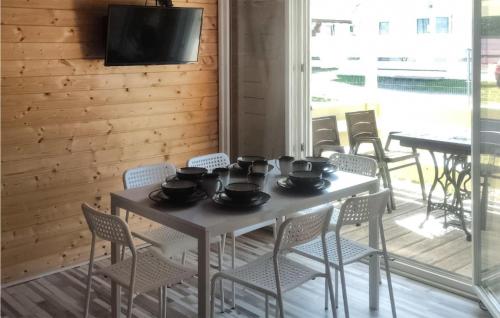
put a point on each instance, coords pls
(351, 250)
(260, 274)
(152, 271)
(170, 241)
(392, 156)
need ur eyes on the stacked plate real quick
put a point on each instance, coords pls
(241, 195)
(306, 181)
(178, 191)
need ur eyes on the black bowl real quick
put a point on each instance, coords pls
(242, 191)
(318, 163)
(246, 161)
(191, 173)
(304, 178)
(178, 189)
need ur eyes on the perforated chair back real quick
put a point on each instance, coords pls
(108, 227)
(354, 164)
(361, 124)
(210, 161)
(146, 175)
(360, 209)
(302, 229)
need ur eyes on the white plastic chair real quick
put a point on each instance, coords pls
(168, 240)
(274, 273)
(221, 160)
(343, 251)
(142, 272)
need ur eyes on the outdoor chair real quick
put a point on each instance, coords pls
(171, 242)
(362, 129)
(342, 251)
(144, 271)
(274, 273)
(221, 160)
(325, 135)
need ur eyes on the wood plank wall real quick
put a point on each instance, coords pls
(71, 126)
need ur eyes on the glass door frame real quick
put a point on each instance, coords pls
(484, 295)
(300, 139)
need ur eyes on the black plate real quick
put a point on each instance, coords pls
(285, 183)
(159, 197)
(223, 200)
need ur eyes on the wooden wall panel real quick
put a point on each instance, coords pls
(71, 126)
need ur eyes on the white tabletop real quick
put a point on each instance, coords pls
(209, 217)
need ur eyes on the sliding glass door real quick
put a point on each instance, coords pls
(410, 63)
(486, 153)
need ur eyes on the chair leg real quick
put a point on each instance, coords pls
(382, 174)
(334, 305)
(387, 269)
(183, 259)
(421, 178)
(326, 295)
(161, 302)
(212, 297)
(336, 288)
(87, 296)
(233, 255)
(267, 305)
(344, 290)
(275, 232)
(130, 303)
(389, 185)
(221, 281)
(279, 305)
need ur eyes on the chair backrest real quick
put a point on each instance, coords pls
(302, 229)
(146, 175)
(354, 164)
(361, 124)
(360, 209)
(210, 161)
(325, 130)
(108, 227)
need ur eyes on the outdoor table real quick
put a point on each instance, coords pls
(454, 176)
(205, 220)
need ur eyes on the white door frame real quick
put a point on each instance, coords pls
(297, 78)
(224, 67)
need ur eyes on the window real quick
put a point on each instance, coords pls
(423, 26)
(442, 25)
(383, 27)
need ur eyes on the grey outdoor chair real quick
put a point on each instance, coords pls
(325, 135)
(342, 251)
(221, 160)
(274, 273)
(143, 272)
(362, 129)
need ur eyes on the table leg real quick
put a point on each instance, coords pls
(115, 257)
(204, 275)
(374, 271)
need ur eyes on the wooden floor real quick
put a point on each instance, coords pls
(430, 244)
(62, 294)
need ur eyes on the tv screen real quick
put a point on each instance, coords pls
(140, 35)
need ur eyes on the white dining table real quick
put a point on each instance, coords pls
(206, 219)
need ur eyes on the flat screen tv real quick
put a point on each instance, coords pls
(141, 35)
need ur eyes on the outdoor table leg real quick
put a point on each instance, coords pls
(373, 229)
(204, 275)
(115, 257)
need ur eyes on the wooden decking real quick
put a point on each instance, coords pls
(430, 244)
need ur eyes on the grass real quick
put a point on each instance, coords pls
(448, 86)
